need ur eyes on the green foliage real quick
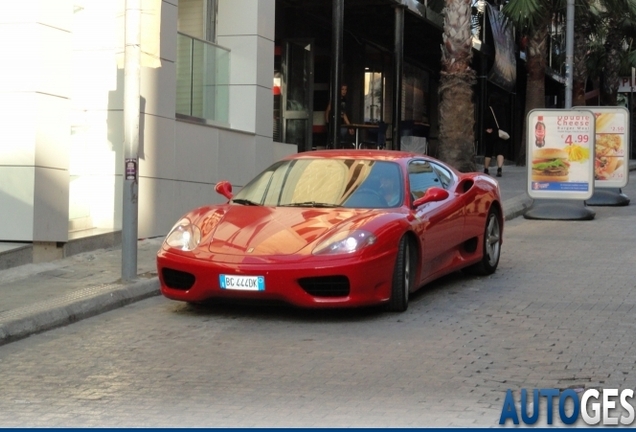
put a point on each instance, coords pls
(528, 15)
(610, 26)
(628, 62)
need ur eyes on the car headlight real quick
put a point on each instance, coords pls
(345, 242)
(185, 236)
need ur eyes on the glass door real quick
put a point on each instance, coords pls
(298, 91)
(373, 96)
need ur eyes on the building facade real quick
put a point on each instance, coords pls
(227, 88)
(205, 112)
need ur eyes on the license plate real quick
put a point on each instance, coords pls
(244, 283)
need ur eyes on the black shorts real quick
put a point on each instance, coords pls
(493, 145)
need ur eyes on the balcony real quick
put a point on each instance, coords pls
(203, 77)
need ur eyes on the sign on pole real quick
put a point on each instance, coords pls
(560, 154)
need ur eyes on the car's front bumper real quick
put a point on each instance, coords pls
(367, 279)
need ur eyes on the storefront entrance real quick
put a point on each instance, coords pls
(296, 98)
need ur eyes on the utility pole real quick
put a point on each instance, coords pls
(130, 209)
(337, 19)
(569, 52)
(398, 67)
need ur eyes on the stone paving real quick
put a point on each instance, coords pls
(559, 313)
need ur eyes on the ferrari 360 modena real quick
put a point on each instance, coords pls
(336, 228)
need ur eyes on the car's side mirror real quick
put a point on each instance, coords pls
(224, 188)
(433, 194)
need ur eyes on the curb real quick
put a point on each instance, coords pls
(516, 206)
(85, 303)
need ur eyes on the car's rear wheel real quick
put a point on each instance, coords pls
(491, 250)
(403, 277)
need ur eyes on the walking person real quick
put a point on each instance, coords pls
(329, 118)
(493, 145)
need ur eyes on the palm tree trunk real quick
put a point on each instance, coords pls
(457, 110)
(579, 68)
(535, 87)
(535, 91)
(610, 77)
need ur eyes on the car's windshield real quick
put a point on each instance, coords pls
(349, 183)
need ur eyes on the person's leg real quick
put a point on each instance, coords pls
(489, 151)
(343, 138)
(486, 163)
(500, 161)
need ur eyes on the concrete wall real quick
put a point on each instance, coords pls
(34, 110)
(61, 122)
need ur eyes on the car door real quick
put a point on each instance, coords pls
(440, 224)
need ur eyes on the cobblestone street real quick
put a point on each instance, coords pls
(558, 313)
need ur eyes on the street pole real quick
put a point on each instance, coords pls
(398, 67)
(131, 140)
(630, 103)
(569, 52)
(337, 31)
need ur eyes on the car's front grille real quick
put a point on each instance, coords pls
(177, 279)
(326, 286)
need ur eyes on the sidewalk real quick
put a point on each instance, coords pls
(39, 297)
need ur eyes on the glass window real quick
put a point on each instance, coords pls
(197, 18)
(422, 176)
(415, 96)
(381, 188)
(203, 68)
(203, 76)
(444, 175)
(373, 85)
(327, 183)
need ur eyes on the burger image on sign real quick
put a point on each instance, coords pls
(550, 165)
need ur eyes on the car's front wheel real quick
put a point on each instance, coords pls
(403, 276)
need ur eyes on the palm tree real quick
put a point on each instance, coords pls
(456, 109)
(532, 19)
(628, 59)
(585, 25)
(619, 19)
(604, 30)
(595, 55)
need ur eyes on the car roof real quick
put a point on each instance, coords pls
(392, 155)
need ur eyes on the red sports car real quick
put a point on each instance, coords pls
(336, 228)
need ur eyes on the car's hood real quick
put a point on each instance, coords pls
(260, 231)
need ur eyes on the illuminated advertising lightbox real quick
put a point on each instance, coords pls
(611, 162)
(560, 153)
